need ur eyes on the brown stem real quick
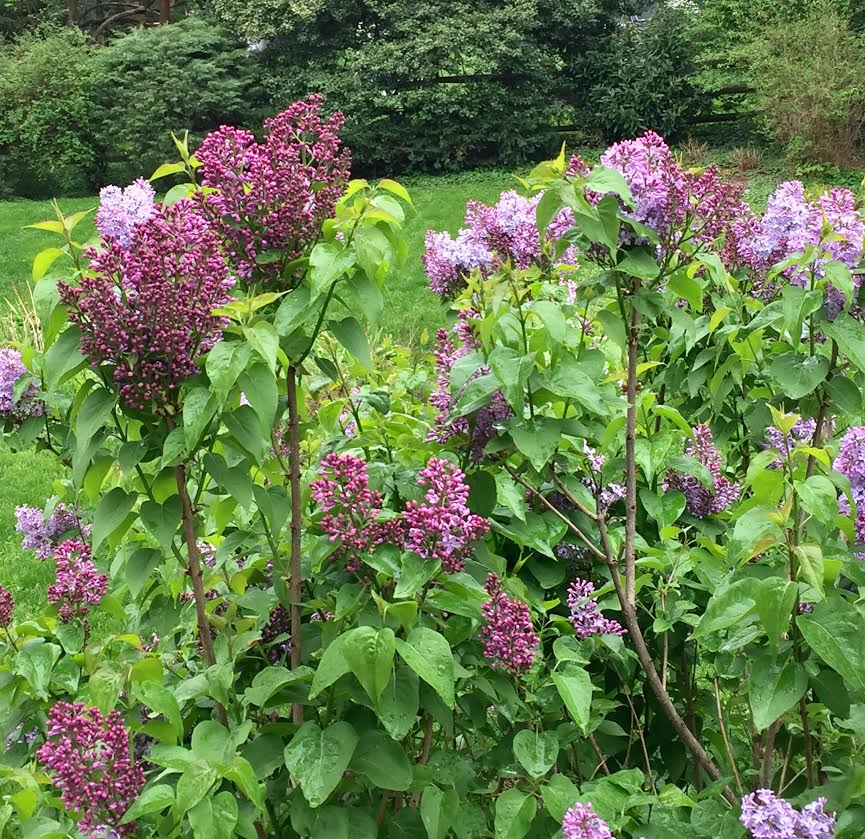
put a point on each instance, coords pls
(727, 747)
(768, 750)
(204, 633)
(599, 754)
(689, 711)
(642, 737)
(424, 751)
(809, 746)
(631, 461)
(382, 805)
(295, 584)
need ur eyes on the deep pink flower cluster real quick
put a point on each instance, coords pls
(275, 195)
(122, 211)
(351, 509)
(510, 641)
(11, 370)
(44, 535)
(702, 501)
(585, 616)
(147, 311)
(7, 604)
(480, 426)
(789, 225)
(677, 204)
(581, 822)
(768, 817)
(441, 525)
(504, 232)
(78, 585)
(88, 756)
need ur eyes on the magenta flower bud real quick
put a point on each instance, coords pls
(7, 604)
(585, 616)
(509, 639)
(78, 585)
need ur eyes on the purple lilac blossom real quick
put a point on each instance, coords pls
(122, 211)
(148, 311)
(702, 501)
(768, 817)
(78, 585)
(585, 616)
(801, 434)
(276, 635)
(7, 604)
(509, 639)
(274, 196)
(88, 757)
(44, 535)
(11, 370)
(351, 509)
(850, 462)
(441, 526)
(581, 822)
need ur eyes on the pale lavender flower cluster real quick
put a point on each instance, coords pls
(441, 525)
(851, 463)
(768, 817)
(122, 211)
(11, 370)
(44, 535)
(801, 434)
(351, 509)
(581, 822)
(605, 494)
(702, 501)
(789, 225)
(78, 585)
(493, 235)
(88, 756)
(7, 603)
(585, 616)
(509, 639)
(480, 426)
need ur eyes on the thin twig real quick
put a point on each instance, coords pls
(631, 461)
(642, 737)
(295, 585)
(599, 754)
(728, 748)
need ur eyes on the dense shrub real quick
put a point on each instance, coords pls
(191, 74)
(810, 74)
(47, 137)
(642, 77)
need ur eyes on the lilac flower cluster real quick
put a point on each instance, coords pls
(147, 311)
(11, 370)
(585, 616)
(88, 755)
(480, 426)
(675, 203)
(851, 463)
(274, 195)
(605, 494)
(441, 525)
(122, 211)
(7, 604)
(276, 635)
(504, 232)
(44, 535)
(702, 501)
(789, 225)
(768, 817)
(78, 585)
(801, 434)
(509, 639)
(581, 822)
(351, 509)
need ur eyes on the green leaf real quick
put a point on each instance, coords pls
(537, 751)
(242, 775)
(369, 653)
(798, 375)
(199, 408)
(683, 285)
(44, 260)
(775, 598)
(511, 370)
(515, 811)
(575, 688)
(225, 814)
(64, 358)
(317, 759)
(93, 414)
(665, 508)
(264, 340)
(774, 687)
(414, 573)
(559, 796)
(351, 335)
(266, 683)
(162, 520)
(819, 497)
(429, 655)
(438, 811)
(167, 169)
(293, 311)
(728, 606)
(151, 800)
(160, 700)
(327, 263)
(752, 534)
(34, 663)
(395, 188)
(110, 514)
(333, 665)
(848, 333)
(398, 704)
(537, 439)
(139, 567)
(194, 784)
(366, 292)
(835, 630)
(262, 392)
(570, 380)
(234, 479)
(383, 761)
(641, 263)
(811, 565)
